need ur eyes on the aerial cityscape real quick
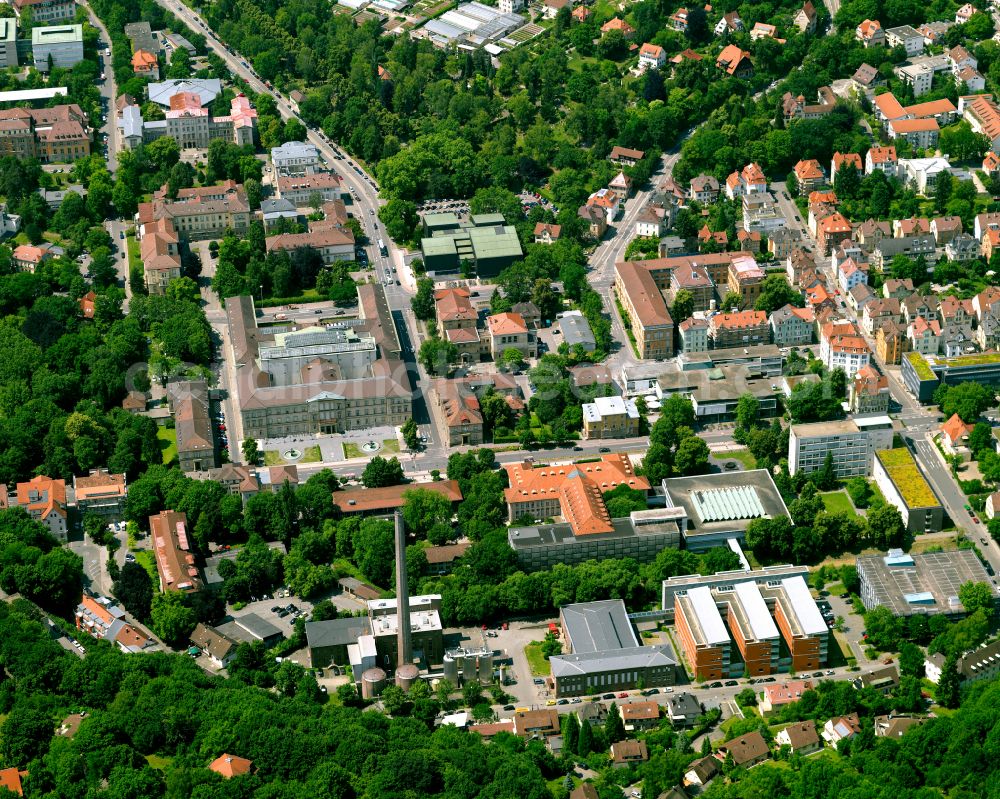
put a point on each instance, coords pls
(515, 399)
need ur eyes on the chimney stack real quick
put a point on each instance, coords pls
(403, 642)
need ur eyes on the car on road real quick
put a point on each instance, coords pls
(605, 449)
(830, 672)
(577, 449)
(538, 681)
(550, 702)
(608, 696)
(731, 683)
(975, 519)
(716, 684)
(817, 674)
(576, 700)
(563, 702)
(729, 465)
(623, 695)
(121, 234)
(508, 707)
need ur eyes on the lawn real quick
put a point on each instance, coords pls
(158, 762)
(313, 454)
(536, 660)
(838, 502)
(168, 443)
(146, 559)
(390, 446)
(837, 589)
(742, 455)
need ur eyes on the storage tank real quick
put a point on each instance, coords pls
(406, 675)
(485, 669)
(450, 667)
(469, 669)
(372, 683)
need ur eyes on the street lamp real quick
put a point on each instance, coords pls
(261, 287)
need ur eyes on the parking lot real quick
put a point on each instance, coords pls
(273, 609)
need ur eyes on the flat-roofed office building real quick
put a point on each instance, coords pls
(852, 443)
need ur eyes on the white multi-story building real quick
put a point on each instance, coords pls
(852, 443)
(295, 158)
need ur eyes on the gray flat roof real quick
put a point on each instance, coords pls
(703, 492)
(921, 583)
(640, 657)
(336, 632)
(598, 626)
(257, 627)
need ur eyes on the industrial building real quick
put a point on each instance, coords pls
(852, 443)
(571, 496)
(904, 486)
(605, 654)
(486, 241)
(757, 623)
(58, 45)
(924, 583)
(366, 642)
(712, 508)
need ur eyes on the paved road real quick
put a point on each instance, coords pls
(108, 91)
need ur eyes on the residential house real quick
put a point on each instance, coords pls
(830, 230)
(596, 219)
(924, 335)
(694, 335)
(954, 437)
(730, 23)
(551, 8)
(991, 163)
(781, 242)
(44, 500)
(972, 78)
(883, 159)
(441, 559)
(960, 59)
(843, 347)
(747, 751)
(679, 20)
(88, 305)
(945, 228)
(796, 107)
(640, 715)
(851, 274)
(983, 115)
(792, 327)
(952, 310)
(581, 14)
(645, 310)
(546, 234)
(750, 180)
(530, 313)
(28, 257)
(879, 311)
(740, 329)
(916, 305)
(883, 679)
(12, 778)
(701, 772)
(749, 240)
(145, 65)
(509, 331)
(105, 621)
(175, 560)
(910, 246)
(841, 728)
(964, 14)
(618, 24)
(101, 492)
(763, 30)
(683, 709)
(805, 18)
(651, 222)
(704, 189)
(652, 56)
(330, 242)
(220, 649)
(871, 232)
(809, 174)
(962, 248)
(869, 392)
(761, 214)
(956, 339)
(858, 297)
(621, 185)
(906, 37)
(918, 132)
(897, 288)
(993, 505)
(628, 753)
(891, 342)
(734, 62)
(798, 261)
(867, 79)
(540, 723)
(870, 33)
(607, 200)
(195, 437)
(779, 695)
(840, 160)
(719, 238)
(624, 156)
(895, 726)
(801, 737)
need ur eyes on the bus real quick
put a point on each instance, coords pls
(381, 247)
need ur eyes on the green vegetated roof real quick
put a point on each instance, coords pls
(920, 366)
(905, 475)
(975, 359)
